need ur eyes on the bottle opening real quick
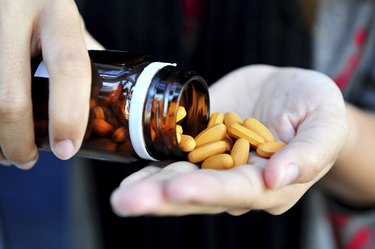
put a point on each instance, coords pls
(139, 96)
(170, 89)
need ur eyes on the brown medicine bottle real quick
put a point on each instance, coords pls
(133, 105)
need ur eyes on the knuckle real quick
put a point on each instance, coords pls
(13, 109)
(71, 65)
(20, 156)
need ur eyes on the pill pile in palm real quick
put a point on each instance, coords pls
(227, 141)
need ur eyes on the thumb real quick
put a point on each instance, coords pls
(311, 152)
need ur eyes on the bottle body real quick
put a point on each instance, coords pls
(133, 105)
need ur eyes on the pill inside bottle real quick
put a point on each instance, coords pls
(134, 103)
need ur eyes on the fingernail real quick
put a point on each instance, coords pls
(27, 165)
(64, 149)
(5, 162)
(288, 176)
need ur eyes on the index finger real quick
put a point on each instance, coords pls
(68, 64)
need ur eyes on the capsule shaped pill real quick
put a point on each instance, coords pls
(92, 103)
(187, 143)
(181, 113)
(237, 130)
(232, 117)
(220, 161)
(259, 128)
(98, 112)
(216, 118)
(229, 141)
(267, 149)
(203, 152)
(179, 129)
(208, 135)
(178, 136)
(101, 127)
(119, 135)
(240, 152)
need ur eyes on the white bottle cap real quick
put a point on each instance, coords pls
(138, 99)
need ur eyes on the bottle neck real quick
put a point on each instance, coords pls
(136, 115)
(169, 89)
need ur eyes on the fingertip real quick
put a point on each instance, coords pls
(116, 203)
(5, 163)
(27, 165)
(278, 177)
(64, 149)
(137, 199)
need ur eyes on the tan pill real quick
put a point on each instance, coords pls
(229, 141)
(119, 135)
(179, 129)
(113, 121)
(237, 130)
(232, 117)
(98, 112)
(259, 128)
(203, 152)
(178, 136)
(92, 103)
(220, 161)
(267, 149)
(208, 135)
(101, 127)
(153, 134)
(187, 143)
(181, 113)
(216, 118)
(240, 152)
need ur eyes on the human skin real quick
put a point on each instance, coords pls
(303, 108)
(55, 30)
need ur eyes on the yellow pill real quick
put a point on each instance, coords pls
(181, 113)
(187, 143)
(220, 161)
(236, 130)
(179, 129)
(240, 152)
(259, 128)
(216, 118)
(203, 152)
(267, 149)
(229, 141)
(208, 135)
(178, 136)
(232, 117)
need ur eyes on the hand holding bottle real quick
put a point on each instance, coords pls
(303, 108)
(55, 29)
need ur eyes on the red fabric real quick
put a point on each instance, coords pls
(344, 76)
(360, 239)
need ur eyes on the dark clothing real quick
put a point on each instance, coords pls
(223, 36)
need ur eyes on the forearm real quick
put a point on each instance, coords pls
(352, 178)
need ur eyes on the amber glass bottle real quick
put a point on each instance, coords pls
(133, 105)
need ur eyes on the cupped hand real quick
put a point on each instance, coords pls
(55, 29)
(303, 108)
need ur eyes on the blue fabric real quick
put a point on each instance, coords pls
(33, 205)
